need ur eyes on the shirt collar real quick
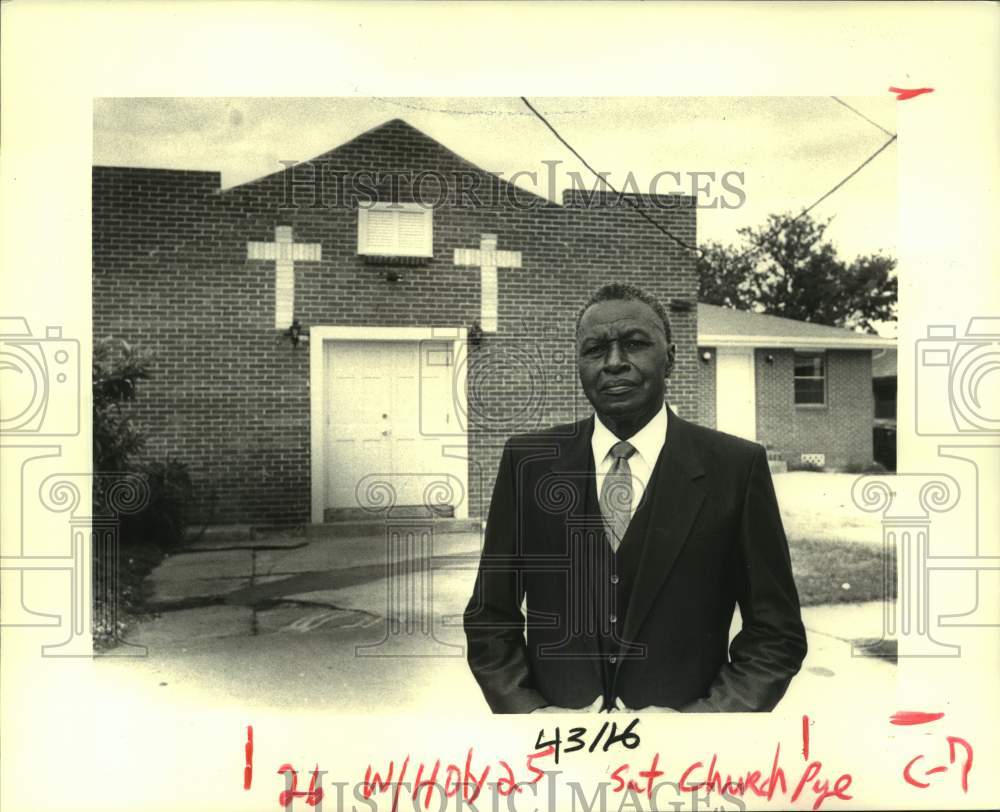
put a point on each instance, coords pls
(647, 442)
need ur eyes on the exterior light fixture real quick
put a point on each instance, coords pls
(295, 333)
(475, 334)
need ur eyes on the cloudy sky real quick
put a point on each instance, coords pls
(791, 150)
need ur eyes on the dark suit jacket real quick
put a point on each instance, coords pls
(713, 538)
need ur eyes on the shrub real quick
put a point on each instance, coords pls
(799, 465)
(873, 467)
(118, 450)
(118, 368)
(162, 522)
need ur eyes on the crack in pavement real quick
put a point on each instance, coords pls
(309, 582)
(180, 604)
(254, 624)
(251, 547)
(255, 593)
(270, 604)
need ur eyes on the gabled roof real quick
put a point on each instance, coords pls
(409, 139)
(724, 327)
(395, 129)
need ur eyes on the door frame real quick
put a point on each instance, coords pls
(749, 353)
(318, 337)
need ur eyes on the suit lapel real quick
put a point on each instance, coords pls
(572, 474)
(677, 498)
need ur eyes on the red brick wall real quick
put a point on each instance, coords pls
(706, 388)
(842, 429)
(230, 396)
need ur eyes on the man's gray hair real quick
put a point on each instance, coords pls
(621, 292)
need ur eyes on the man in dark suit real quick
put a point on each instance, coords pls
(630, 537)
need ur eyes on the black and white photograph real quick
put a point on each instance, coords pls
(384, 398)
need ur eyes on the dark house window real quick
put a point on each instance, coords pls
(885, 398)
(810, 379)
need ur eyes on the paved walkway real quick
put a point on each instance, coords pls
(283, 618)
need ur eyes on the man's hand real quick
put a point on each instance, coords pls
(593, 707)
(620, 708)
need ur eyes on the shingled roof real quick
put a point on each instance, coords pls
(724, 327)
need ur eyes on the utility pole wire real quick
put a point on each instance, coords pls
(638, 209)
(682, 243)
(859, 113)
(861, 166)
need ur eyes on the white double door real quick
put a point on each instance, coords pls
(375, 431)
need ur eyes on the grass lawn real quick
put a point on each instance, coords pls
(839, 572)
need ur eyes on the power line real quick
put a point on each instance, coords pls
(859, 113)
(861, 166)
(783, 225)
(892, 137)
(450, 112)
(607, 183)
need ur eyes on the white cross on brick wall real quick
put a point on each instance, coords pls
(488, 259)
(284, 252)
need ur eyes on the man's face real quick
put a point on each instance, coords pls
(623, 359)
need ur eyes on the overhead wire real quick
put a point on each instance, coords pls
(862, 115)
(603, 179)
(860, 166)
(892, 137)
(408, 105)
(635, 206)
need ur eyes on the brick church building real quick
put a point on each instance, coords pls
(368, 327)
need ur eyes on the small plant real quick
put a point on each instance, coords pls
(873, 467)
(805, 465)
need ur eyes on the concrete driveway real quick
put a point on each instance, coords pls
(303, 621)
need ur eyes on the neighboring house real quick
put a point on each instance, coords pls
(370, 403)
(803, 390)
(884, 391)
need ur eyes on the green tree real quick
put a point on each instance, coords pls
(786, 268)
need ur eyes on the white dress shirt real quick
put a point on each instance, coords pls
(647, 442)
